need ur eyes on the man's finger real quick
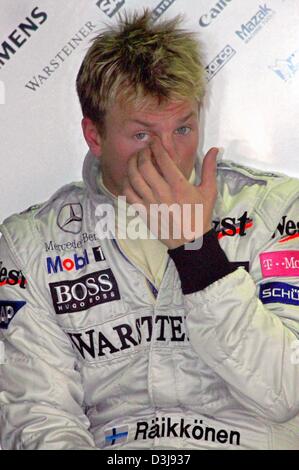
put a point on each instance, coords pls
(131, 196)
(209, 168)
(149, 169)
(170, 171)
(137, 181)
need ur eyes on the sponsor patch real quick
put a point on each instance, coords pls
(85, 292)
(280, 263)
(231, 226)
(11, 277)
(98, 253)
(73, 262)
(279, 292)
(58, 264)
(8, 309)
(288, 229)
(70, 218)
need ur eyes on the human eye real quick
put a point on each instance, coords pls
(141, 136)
(184, 130)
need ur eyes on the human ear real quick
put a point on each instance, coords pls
(92, 136)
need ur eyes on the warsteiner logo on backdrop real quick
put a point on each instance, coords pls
(219, 61)
(19, 36)
(161, 8)
(249, 29)
(110, 7)
(206, 19)
(55, 63)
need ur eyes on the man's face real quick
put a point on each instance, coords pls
(129, 129)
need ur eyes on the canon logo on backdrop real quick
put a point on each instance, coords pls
(206, 19)
(20, 35)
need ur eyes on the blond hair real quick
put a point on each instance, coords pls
(137, 59)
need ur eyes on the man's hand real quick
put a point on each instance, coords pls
(154, 178)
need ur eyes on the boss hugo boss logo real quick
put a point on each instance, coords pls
(110, 7)
(73, 262)
(219, 61)
(8, 309)
(83, 293)
(231, 226)
(70, 218)
(206, 19)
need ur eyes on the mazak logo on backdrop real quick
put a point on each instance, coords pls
(254, 25)
(110, 7)
(206, 19)
(219, 61)
(161, 8)
(287, 68)
(19, 36)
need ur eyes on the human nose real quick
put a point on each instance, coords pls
(168, 144)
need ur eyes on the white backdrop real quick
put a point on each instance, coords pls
(252, 59)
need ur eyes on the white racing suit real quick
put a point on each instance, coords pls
(94, 356)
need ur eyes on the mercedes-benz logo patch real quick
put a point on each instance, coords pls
(70, 218)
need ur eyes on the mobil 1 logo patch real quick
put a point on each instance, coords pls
(84, 292)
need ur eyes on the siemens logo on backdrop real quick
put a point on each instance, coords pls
(219, 61)
(254, 25)
(20, 35)
(206, 19)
